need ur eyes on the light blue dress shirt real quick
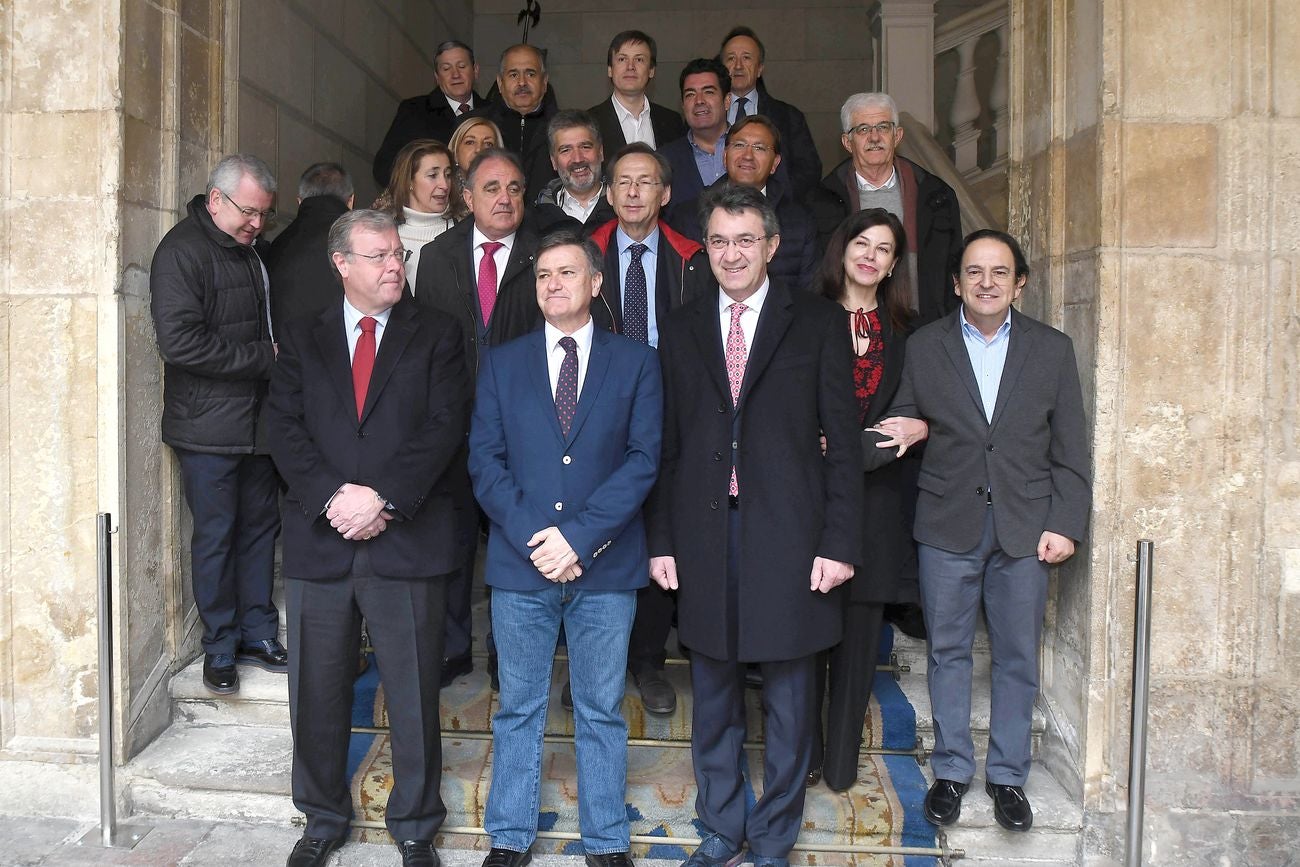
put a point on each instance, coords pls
(987, 358)
(710, 165)
(650, 264)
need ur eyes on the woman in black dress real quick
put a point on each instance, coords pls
(863, 272)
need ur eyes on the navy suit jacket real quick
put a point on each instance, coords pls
(591, 484)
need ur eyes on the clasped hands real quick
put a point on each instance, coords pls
(357, 512)
(826, 574)
(553, 556)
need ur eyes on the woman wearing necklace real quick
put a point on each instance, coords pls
(419, 196)
(863, 272)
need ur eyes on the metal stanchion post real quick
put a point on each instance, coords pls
(109, 834)
(1137, 752)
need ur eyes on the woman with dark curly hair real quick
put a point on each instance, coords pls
(863, 270)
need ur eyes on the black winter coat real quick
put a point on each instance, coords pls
(208, 302)
(303, 282)
(424, 116)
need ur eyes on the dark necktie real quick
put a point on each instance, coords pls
(636, 310)
(464, 107)
(740, 107)
(487, 280)
(363, 361)
(736, 358)
(566, 386)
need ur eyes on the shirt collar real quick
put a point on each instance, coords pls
(480, 239)
(624, 114)
(753, 302)
(582, 336)
(624, 241)
(887, 185)
(455, 103)
(972, 331)
(561, 195)
(751, 100)
(718, 148)
(352, 316)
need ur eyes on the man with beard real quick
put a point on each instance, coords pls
(523, 112)
(578, 194)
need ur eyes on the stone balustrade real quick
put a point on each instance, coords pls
(975, 112)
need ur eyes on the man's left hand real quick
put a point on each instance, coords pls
(829, 574)
(552, 553)
(353, 509)
(1054, 548)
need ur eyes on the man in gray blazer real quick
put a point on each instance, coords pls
(1005, 493)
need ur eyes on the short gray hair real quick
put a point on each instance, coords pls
(861, 101)
(326, 179)
(736, 200)
(571, 118)
(227, 174)
(570, 238)
(340, 236)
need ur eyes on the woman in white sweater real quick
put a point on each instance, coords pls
(419, 197)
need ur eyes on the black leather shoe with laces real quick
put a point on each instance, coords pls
(418, 853)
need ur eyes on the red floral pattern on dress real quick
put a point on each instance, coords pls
(869, 363)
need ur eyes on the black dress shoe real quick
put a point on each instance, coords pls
(1010, 806)
(418, 853)
(219, 673)
(267, 654)
(311, 851)
(657, 694)
(814, 777)
(454, 666)
(609, 859)
(507, 858)
(566, 696)
(943, 801)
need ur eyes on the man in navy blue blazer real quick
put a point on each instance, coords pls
(564, 448)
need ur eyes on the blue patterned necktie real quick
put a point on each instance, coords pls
(636, 305)
(566, 387)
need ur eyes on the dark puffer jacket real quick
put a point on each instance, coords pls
(208, 302)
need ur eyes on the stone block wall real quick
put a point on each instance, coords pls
(818, 51)
(321, 80)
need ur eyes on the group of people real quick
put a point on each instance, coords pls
(678, 377)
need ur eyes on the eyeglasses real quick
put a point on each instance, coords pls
(744, 242)
(885, 127)
(249, 213)
(758, 148)
(399, 256)
(625, 184)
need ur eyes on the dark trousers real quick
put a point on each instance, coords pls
(771, 827)
(850, 668)
(404, 618)
(459, 625)
(654, 620)
(234, 500)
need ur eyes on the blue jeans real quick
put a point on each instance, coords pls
(526, 625)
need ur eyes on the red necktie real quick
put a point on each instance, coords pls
(487, 280)
(736, 357)
(363, 361)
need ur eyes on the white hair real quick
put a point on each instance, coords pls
(862, 101)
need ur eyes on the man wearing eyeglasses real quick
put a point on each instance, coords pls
(367, 418)
(875, 176)
(649, 269)
(752, 526)
(208, 297)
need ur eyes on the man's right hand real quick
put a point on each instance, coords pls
(663, 571)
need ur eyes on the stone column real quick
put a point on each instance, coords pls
(905, 31)
(1155, 150)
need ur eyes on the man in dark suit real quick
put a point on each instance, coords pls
(368, 417)
(1005, 493)
(697, 157)
(436, 114)
(564, 449)
(521, 111)
(744, 55)
(302, 278)
(649, 269)
(874, 176)
(576, 199)
(629, 115)
(752, 525)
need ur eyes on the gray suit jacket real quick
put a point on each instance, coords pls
(1033, 455)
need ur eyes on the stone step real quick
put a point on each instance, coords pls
(912, 653)
(262, 700)
(1055, 838)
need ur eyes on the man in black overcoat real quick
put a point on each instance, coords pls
(302, 278)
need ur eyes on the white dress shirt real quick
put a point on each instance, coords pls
(570, 205)
(555, 352)
(501, 256)
(352, 326)
(636, 127)
(455, 104)
(866, 186)
(748, 319)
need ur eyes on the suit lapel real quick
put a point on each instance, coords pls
(539, 374)
(708, 337)
(597, 367)
(521, 259)
(398, 332)
(960, 358)
(773, 321)
(1021, 343)
(332, 341)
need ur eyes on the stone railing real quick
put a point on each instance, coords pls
(970, 118)
(920, 146)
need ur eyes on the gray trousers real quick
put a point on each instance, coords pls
(1014, 594)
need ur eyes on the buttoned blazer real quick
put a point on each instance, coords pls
(448, 281)
(1033, 454)
(590, 484)
(408, 444)
(795, 503)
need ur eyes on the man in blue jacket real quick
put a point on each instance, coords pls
(564, 448)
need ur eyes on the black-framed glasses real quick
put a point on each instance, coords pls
(885, 127)
(249, 213)
(744, 242)
(400, 255)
